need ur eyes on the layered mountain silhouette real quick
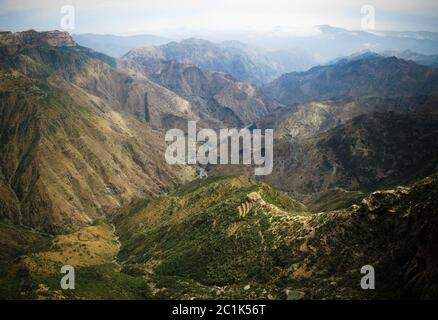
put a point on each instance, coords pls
(366, 75)
(84, 181)
(423, 59)
(117, 46)
(242, 61)
(286, 49)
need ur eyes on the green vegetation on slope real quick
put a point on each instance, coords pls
(196, 243)
(216, 250)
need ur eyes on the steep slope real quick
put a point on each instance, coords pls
(70, 151)
(296, 129)
(370, 76)
(195, 239)
(331, 166)
(301, 121)
(216, 95)
(95, 73)
(196, 243)
(365, 153)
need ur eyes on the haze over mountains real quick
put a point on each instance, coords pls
(366, 75)
(116, 46)
(282, 48)
(430, 60)
(241, 61)
(83, 178)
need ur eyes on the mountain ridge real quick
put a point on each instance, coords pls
(243, 62)
(369, 77)
(71, 151)
(275, 251)
(13, 42)
(215, 94)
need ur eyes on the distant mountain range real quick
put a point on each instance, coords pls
(260, 58)
(326, 42)
(117, 46)
(364, 75)
(430, 60)
(243, 62)
(323, 44)
(421, 59)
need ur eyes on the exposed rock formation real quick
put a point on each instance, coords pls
(12, 42)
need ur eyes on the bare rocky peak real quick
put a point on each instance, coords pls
(12, 42)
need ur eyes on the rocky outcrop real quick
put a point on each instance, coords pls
(11, 43)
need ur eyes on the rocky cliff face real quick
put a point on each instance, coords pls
(11, 43)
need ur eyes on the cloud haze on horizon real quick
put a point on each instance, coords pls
(202, 17)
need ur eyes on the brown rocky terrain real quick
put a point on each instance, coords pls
(72, 148)
(215, 94)
(367, 152)
(12, 42)
(329, 166)
(301, 121)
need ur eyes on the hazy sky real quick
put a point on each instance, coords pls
(198, 17)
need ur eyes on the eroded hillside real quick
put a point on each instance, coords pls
(71, 154)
